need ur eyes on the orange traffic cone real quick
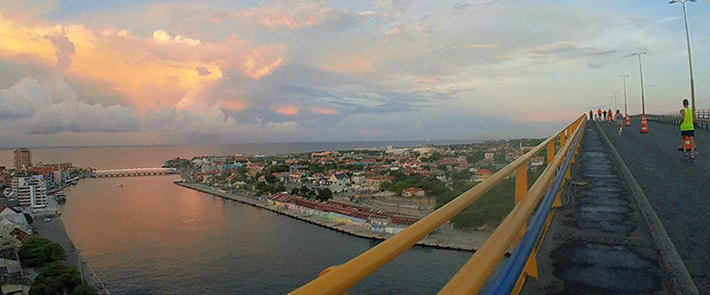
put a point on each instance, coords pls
(628, 122)
(686, 143)
(644, 124)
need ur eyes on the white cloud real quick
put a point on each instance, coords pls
(161, 36)
(30, 107)
(33, 108)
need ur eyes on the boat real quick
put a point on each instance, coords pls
(120, 185)
(60, 197)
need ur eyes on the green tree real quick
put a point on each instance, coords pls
(270, 178)
(324, 194)
(462, 175)
(260, 187)
(84, 289)
(56, 278)
(305, 191)
(38, 251)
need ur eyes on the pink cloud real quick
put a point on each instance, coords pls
(286, 110)
(261, 63)
(324, 111)
(149, 72)
(234, 105)
(426, 80)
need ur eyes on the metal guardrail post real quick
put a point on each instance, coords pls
(521, 182)
(472, 275)
(512, 276)
(521, 190)
(563, 138)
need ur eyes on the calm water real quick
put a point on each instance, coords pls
(153, 237)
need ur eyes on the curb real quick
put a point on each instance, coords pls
(673, 267)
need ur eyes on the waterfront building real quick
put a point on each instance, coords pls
(413, 192)
(31, 191)
(23, 158)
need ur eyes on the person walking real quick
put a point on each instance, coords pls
(599, 114)
(687, 129)
(591, 115)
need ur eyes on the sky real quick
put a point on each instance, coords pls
(139, 72)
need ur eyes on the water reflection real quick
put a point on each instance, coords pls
(153, 237)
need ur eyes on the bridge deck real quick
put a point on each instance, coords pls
(598, 242)
(679, 191)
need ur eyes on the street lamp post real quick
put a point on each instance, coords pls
(615, 104)
(690, 60)
(643, 101)
(626, 108)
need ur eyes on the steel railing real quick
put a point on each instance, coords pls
(702, 118)
(338, 279)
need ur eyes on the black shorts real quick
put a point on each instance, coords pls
(690, 133)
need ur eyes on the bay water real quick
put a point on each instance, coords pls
(146, 235)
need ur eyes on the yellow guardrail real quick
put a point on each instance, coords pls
(470, 278)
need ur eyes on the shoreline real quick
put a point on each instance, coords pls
(444, 238)
(56, 232)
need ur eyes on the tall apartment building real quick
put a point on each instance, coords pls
(30, 191)
(23, 158)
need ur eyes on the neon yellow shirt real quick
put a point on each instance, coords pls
(687, 123)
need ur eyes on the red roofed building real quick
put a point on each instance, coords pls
(482, 174)
(19, 234)
(412, 192)
(333, 210)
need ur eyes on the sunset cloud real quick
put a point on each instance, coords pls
(148, 74)
(292, 15)
(286, 110)
(64, 48)
(426, 80)
(324, 111)
(274, 71)
(234, 105)
(161, 36)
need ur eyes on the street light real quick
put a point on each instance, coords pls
(690, 60)
(626, 111)
(643, 102)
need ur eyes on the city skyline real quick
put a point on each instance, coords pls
(79, 73)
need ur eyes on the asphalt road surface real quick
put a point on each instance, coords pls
(678, 190)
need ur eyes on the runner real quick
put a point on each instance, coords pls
(599, 114)
(687, 129)
(619, 120)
